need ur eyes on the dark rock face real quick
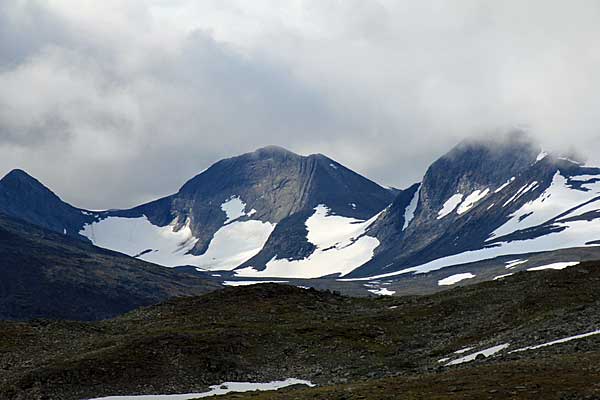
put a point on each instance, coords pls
(288, 241)
(277, 184)
(47, 275)
(24, 197)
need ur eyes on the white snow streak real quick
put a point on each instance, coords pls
(487, 352)
(451, 280)
(558, 265)
(508, 182)
(409, 212)
(248, 283)
(514, 263)
(224, 388)
(563, 340)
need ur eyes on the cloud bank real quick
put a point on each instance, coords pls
(113, 103)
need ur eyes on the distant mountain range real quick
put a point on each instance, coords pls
(484, 210)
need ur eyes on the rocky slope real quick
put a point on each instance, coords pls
(412, 347)
(44, 274)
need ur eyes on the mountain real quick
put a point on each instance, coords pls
(44, 274)
(529, 336)
(485, 209)
(249, 207)
(485, 200)
(24, 197)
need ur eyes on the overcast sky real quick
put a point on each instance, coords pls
(112, 103)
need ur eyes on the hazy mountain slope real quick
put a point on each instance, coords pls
(485, 200)
(267, 332)
(48, 275)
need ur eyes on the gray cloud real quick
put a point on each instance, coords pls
(115, 103)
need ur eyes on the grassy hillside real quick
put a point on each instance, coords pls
(353, 348)
(48, 275)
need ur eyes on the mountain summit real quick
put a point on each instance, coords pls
(24, 197)
(222, 217)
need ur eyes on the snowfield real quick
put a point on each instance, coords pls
(234, 243)
(341, 246)
(134, 236)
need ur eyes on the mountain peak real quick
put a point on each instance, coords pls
(19, 181)
(19, 175)
(272, 150)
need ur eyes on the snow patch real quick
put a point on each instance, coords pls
(450, 205)
(451, 280)
(235, 243)
(558, 265)
(471, 199)
(541, 156)
(235, 208)
(224, 388)
(382, 292)
(502, 276)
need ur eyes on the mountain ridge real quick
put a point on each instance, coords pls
(272, 213)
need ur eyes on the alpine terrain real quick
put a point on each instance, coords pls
(483, 211)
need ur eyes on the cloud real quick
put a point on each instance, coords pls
(113, 103)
